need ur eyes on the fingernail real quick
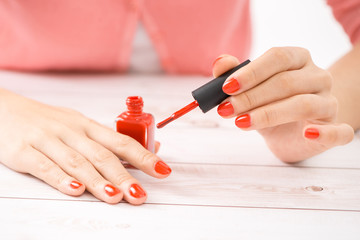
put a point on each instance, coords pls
(111, 190)
(312, 133)
(225, 109)
(162, 168)
(231, 86)
(136, 191)
(216, 61)
(75, 184)
(243, 121)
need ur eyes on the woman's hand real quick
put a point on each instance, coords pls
(288, 99)
(71, 152)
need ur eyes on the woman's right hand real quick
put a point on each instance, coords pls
(71, 152)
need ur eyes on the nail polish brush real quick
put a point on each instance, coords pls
(206, 97)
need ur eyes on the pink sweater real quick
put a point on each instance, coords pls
(188, 35)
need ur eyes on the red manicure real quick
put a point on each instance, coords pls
(231, 86)
(225, 109)
(312, 133)
(162, 168)
(217, 59)
(136, 191)
(243, 121)
(75, 184)
(111, 190)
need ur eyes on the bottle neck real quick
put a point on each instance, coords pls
(135, 105)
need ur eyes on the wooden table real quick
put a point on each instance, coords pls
(225, 183)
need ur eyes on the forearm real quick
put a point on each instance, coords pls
(346, 87)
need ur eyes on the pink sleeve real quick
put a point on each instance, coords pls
(347, 12)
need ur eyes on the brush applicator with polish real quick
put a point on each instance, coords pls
(206, 97)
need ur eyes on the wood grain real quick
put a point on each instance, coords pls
(47, 219)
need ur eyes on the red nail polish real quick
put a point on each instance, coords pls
(136, 123)
(243, 121)
(225, 109)
(111, 190)
(162, 168)
(217, 59)
(136, 191)
(75, 184)
(231, 86)
(312, 133)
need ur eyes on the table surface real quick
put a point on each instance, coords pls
(225, 183)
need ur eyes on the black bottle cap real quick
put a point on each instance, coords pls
(211, 94)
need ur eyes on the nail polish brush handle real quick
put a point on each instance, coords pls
(211, 94)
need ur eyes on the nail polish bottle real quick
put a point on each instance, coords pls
(136, 123)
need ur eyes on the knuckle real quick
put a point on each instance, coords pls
(71, 111)
(287, 83)
(145, 158)
(60, 178)
(250, 74)
(14, 157)
(95, 182)
(281, 54)
(327, 80)
(248, 100)
(334, 103)
(349, 137)
(58, 128)
(45, 166)
(304, 52)
(123, 141)
(75, 160)
(269, 116)
(37, 136)
(120, 179)
(332, 138)
(333, 106)
(90, 121)
(103, 156)
(307, 106)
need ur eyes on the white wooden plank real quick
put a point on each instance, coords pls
(39, 219)
(225, 185)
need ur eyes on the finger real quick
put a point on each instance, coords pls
(157, 146)
(108, 165)
(274, 61)
(129, 150)
(328, 136)
(40, 166)
(76, 165)
(296, 108)
(224, 63)
(280, 86)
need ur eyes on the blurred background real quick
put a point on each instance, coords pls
(304, 23)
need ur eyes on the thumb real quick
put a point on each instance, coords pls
(330, 135)
(224, 63)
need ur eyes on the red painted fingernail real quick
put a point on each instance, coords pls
(312, 133)
(225, 109)
(75, 184)
(243, 121)
(136, 191)
(162, 168)
(231, 86)
(111, 190)
(216, 60)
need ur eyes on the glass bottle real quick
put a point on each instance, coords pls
(136, 123)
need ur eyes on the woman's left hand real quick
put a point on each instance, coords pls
(288, 99)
